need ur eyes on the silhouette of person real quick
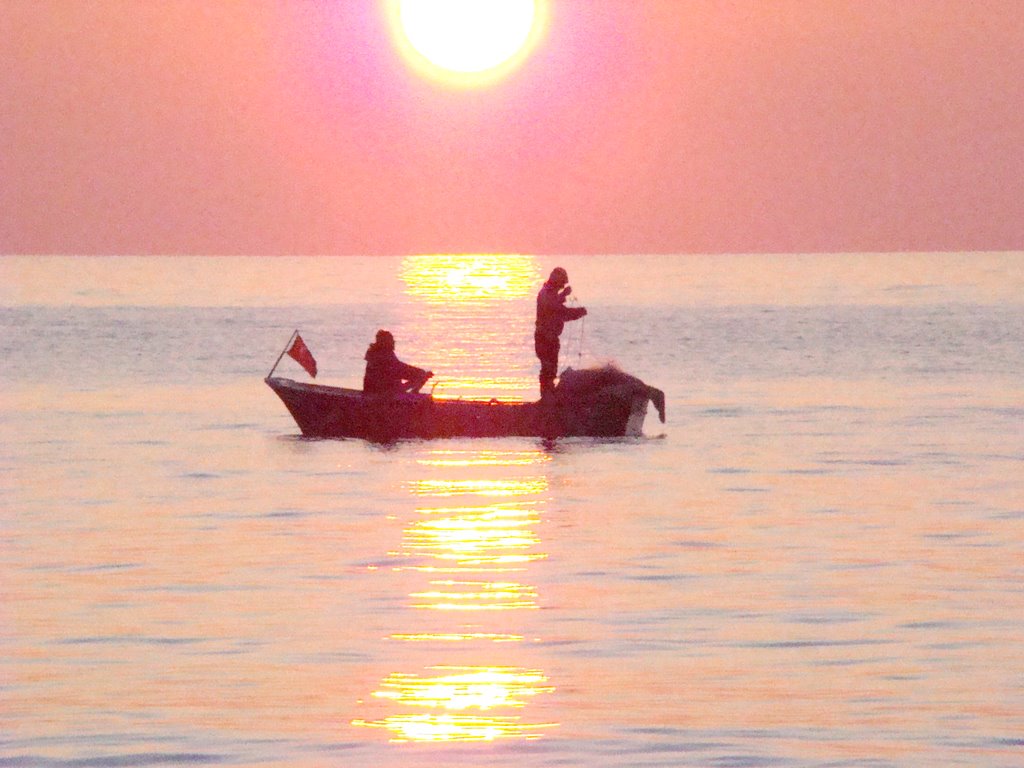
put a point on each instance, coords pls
(386, 374)
(552, 314)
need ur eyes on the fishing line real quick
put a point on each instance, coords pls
(579, 357)
(583, 325)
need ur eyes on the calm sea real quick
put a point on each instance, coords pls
(817, 561)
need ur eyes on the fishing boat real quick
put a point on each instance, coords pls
(601, 402)
(595, 402)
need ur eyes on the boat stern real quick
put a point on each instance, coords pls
(605, 402)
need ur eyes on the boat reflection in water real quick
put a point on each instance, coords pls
(467, 554)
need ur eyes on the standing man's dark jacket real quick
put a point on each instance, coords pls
(552, 314)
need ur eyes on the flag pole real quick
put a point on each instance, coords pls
(283, 351)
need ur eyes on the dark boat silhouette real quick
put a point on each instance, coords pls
(598, 402)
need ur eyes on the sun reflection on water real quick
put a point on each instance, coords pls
(443, 458)
(476, 596)
(518, 487)
(494, 539)
(461, 688)
(457, 637)
(444, 278)
(470, 319)
(474, 551)
(462, 698)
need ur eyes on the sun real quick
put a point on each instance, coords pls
(467, 42)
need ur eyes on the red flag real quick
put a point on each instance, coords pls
(299, 352)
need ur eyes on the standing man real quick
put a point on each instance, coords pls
(552, 315)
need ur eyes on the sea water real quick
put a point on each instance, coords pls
(818, 560)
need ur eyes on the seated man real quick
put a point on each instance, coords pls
(386, 374)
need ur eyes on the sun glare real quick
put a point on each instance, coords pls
(467, 42)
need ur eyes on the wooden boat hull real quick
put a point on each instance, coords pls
(325, 411)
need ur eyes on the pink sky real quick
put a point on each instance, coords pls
(638, 126)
